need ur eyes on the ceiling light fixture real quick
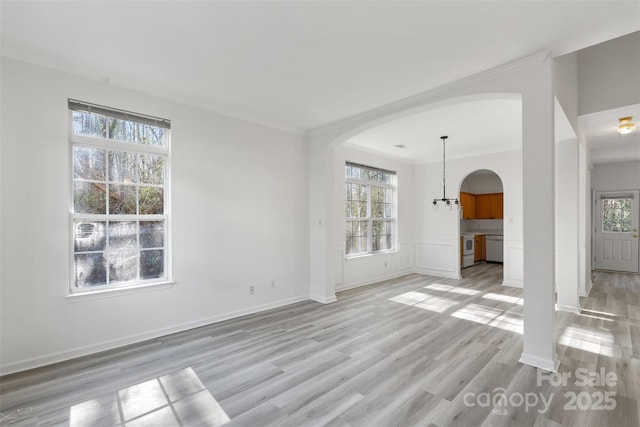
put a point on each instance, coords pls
(448, 203)
(625, 125)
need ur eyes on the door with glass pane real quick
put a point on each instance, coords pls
(616, 231)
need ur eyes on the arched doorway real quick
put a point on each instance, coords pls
(482, 223)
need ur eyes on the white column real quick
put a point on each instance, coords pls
(321, 260)
(567, 243)
(584, 222)
(538, 146)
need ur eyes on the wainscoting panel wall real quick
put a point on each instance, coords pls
(513, 263)
(438, 257)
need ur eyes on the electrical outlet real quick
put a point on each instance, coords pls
(252, 290)
(385, 264)
(273, 284)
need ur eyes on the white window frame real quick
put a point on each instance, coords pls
(393, 219)
(79, 140)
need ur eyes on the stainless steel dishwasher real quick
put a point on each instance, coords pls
(494, 248)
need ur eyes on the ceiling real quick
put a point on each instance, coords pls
(605, 143)
(474, 128)
(302, 65)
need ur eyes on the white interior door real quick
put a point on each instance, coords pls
(616, 231)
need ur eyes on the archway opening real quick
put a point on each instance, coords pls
(482, 224)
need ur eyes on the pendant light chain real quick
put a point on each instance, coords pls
(444, 199)
(444, 175)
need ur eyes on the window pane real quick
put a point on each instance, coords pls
(89, 163)
(356, 237)
(122, 130)
(151, 234)
(123, 266)
(151, 200)
(123, 167)
(123, 235)
(151, 169)
(89, 236)
(122, 199)
(388, 195)
(89, 197)
(90, 270)
(151, 135)
(388, 210)
(380, 206)
(89, 124)
(616, 215)
(151, 264)
(140, 133)
(382, 235)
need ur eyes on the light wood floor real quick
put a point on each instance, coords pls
(418, 350)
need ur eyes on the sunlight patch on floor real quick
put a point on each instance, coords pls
(503, 298)
(491, 317)
(411, 298)
(495, 317)
(425, 301)
(591, 340)
(452, 289)
(437, 304)
(176, 399)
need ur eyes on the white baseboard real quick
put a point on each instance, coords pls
(447, 274)
(589, 287)
(512, 283)
(537, 362)
(60, 356)
(323, 300)
(567, 308)
(345, 286)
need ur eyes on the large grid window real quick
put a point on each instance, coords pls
(120, 186)
(370, 209)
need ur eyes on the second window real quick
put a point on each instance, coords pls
(370, 209)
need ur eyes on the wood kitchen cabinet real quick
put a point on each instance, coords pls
(489, 206)
(468, 202)
(480, 248)
(498, 206)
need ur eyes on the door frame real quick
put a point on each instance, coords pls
(596, 223)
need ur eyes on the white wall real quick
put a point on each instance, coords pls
(437, 232)
(615, 176)
(239, 212)
(608, 74)
(357, 271)
(567, 219)
(565, 89)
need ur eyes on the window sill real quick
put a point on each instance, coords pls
(115, 292)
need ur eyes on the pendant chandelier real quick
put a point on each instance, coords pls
(444, 202)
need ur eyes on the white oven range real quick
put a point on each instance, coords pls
(468, 250)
